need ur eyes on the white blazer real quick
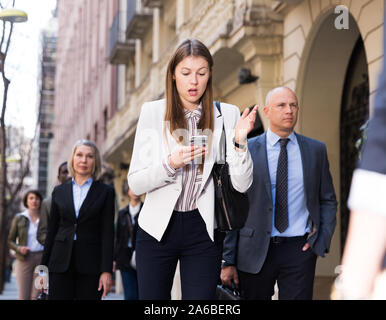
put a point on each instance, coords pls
(147, 174)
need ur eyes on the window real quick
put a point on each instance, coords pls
(105, 119)
(96, 132)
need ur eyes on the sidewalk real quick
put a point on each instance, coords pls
(10, 292)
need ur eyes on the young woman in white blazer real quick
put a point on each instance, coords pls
(177, 219)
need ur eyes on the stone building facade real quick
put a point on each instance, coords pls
(112, 56)
(85, 83)
(329, 52)
(46, 106)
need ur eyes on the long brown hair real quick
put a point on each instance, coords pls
(174, 114)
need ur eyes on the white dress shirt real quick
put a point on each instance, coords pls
(298, 215)
(79, 194)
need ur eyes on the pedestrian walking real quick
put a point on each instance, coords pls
(364, 257)
(79, 245)
(124, 257)
(177, 220)
(22, 239)
(292, 213)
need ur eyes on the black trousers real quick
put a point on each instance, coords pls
(286, 263)
(72, 285)
(186, 239)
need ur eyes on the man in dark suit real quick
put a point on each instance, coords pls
(292, 212)
(124, 257)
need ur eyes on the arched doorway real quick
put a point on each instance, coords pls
(322, 84)
(355, 112)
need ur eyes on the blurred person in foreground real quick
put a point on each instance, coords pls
(363, 273)
(63, 176)
(80, 239)
(124, 257)
(22, 239)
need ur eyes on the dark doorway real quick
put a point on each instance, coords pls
(258, 127)
(354, 113)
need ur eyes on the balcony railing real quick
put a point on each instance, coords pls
(138, 20)
(120, 48)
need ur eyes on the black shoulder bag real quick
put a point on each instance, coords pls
(227, 293)
(231, 206)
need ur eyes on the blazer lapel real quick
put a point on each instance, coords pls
(305, 154)
(263, 158)
(69, 198)
(168, 140)
(208, 165)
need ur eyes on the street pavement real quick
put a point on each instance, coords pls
(10, 292)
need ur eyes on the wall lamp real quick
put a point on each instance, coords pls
(245, 76)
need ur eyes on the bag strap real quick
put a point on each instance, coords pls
(223, 139)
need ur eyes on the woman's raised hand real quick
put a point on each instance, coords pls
(245, 125)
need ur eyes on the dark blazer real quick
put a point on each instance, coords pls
(94, 229)
(247, 248)
(125, 230)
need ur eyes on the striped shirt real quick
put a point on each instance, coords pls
(191, 174)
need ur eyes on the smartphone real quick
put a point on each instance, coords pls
(198, 141)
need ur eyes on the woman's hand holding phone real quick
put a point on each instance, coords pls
(184, 155)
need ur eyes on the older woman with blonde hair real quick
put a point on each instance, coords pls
(79, 244)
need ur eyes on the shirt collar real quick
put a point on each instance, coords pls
(273, 138)
(88, 181)
(27, 215)
(193, 114)
(134, 210)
